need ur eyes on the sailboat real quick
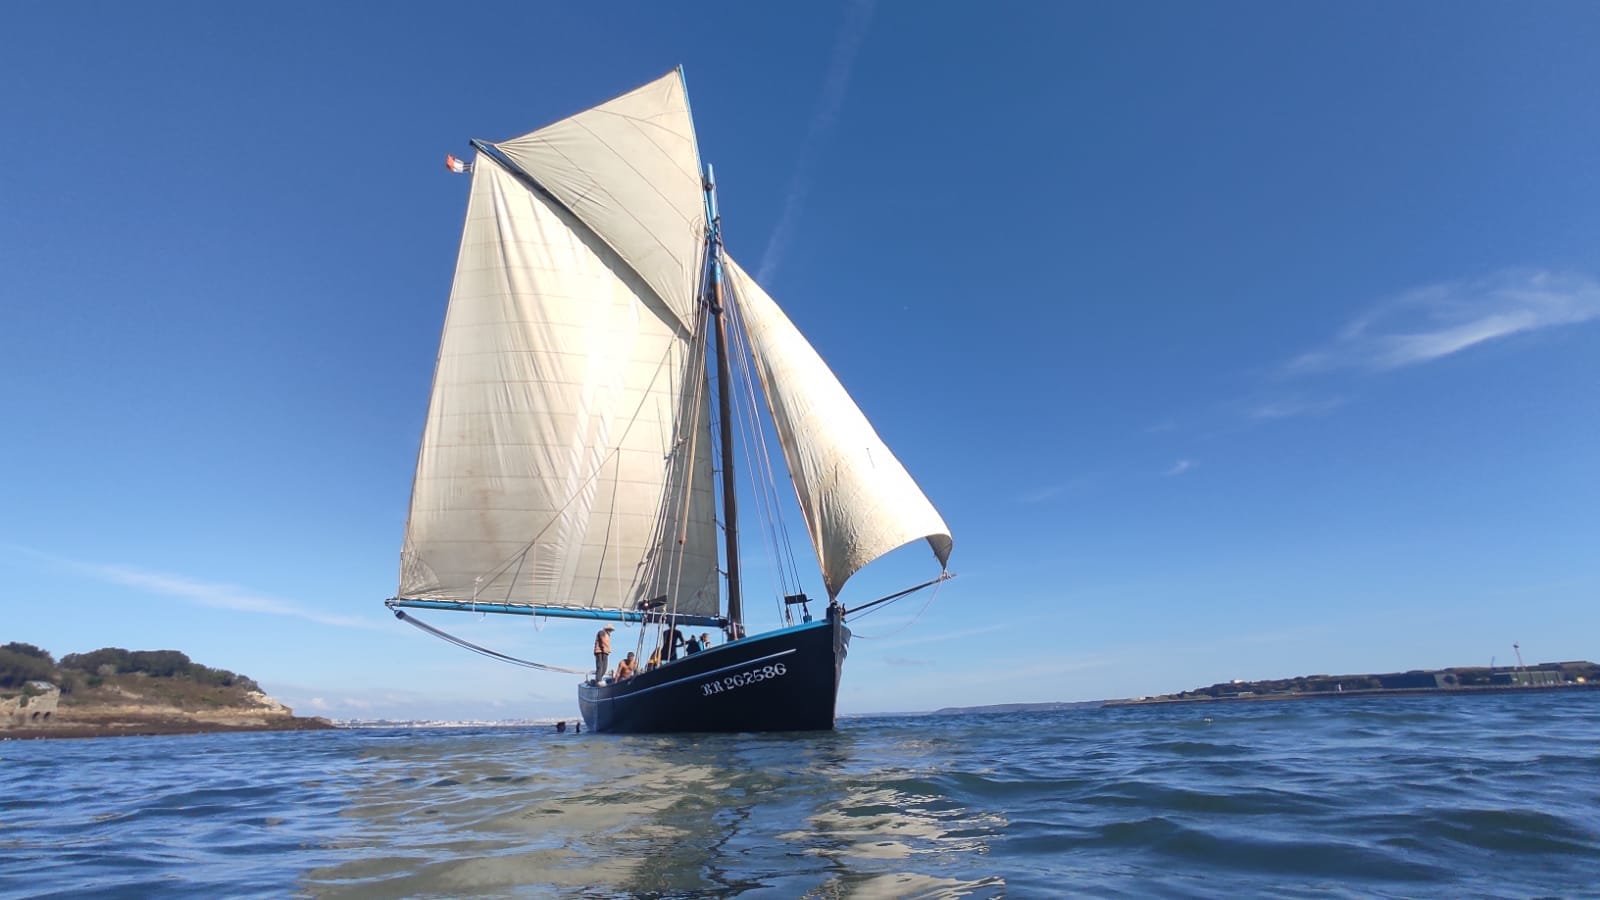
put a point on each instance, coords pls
(578, 457)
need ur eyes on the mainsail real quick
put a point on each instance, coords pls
(859, 501)
(562, 461)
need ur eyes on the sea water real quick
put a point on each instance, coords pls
(1433, 796)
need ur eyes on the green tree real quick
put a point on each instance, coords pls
(117, 658)
(96, 664)
(17, 669)
(160, 663)
(30, 650)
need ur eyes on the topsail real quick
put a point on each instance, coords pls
(629, 169)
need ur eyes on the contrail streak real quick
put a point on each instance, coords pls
(857, 18)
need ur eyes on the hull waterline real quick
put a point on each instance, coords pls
(786, 680)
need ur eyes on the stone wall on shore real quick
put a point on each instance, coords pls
(34, 707)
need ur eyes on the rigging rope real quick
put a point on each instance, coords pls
(937, 584)
(778, 545)
(485, 651)
(695, 364)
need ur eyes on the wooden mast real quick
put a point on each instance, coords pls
(730, 505)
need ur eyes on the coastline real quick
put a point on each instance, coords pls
(112, 692)
(1364, 692)
(161, 725)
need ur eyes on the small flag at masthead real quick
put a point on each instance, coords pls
(458, 166)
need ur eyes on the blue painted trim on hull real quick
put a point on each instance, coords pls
(556, 612)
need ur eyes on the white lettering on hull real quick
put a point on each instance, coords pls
(743, 679)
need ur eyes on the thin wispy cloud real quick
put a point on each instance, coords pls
(1289, 407)
(857, 19)
(1276, 637)
(1439, 320)
(1179, 467)
(1039, 495)
(1038, 672)
(200, 593)
(938, 638)
(1044, 492)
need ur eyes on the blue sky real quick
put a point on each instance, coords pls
(1233, 341)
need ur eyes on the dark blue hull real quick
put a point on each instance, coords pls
(784, 680)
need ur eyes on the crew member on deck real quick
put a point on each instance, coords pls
(627, 668)
(602, 652)
(692, 647)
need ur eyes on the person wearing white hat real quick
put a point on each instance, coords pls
(602, 652)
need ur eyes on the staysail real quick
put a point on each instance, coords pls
(563, 460)
(859, 501)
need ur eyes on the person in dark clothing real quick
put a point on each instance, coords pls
(670, 642)
(691, 646)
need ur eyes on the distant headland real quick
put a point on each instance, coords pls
(1459, 680)
(114, 692)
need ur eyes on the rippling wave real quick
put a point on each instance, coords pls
(1402, 796)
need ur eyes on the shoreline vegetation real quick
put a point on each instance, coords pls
(1459, 680)
(113, 692)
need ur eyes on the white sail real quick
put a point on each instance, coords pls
(566, 396)
(629, 168)
(859, 501)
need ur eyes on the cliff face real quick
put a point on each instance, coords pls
(133, 704)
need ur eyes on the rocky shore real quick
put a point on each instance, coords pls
(120, 710)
